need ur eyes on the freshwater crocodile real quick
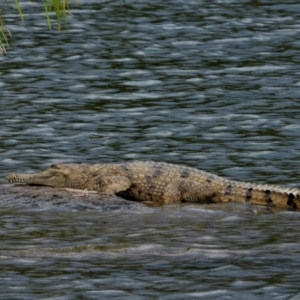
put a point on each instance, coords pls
(159, 182)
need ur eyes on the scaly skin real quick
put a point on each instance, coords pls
(159, 182)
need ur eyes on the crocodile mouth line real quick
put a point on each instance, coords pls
(16, 179)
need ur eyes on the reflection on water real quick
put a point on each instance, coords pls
(213, 85)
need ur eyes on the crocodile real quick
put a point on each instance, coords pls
(159, 182)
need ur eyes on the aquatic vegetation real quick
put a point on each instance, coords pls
(58, 8)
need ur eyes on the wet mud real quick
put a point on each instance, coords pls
(41, 197)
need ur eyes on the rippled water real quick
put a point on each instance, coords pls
(209, 84)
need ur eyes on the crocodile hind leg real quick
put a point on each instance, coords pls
(185, 190)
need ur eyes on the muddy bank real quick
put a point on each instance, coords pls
(41, 197)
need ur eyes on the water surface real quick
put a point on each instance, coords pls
(208, 84)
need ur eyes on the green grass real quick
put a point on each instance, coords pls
(60, 8)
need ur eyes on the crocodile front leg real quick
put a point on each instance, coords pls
(110, 185)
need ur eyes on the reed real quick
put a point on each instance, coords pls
(58, 8)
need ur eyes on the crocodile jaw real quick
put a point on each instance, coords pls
(50, 177)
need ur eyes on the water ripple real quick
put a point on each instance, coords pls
(213, 85)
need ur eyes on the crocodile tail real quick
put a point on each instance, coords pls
(261, 194)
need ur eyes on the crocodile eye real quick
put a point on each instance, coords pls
(54, 167)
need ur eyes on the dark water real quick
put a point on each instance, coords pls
(209, 84)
